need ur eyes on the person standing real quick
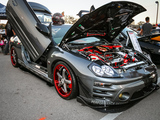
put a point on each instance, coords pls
(146, 28)
(9, 34)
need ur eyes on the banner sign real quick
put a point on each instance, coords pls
(134, 41)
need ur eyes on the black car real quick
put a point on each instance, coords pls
(83, 60)
(149, 45)
(155, 31)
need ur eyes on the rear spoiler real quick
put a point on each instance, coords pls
(83, 12)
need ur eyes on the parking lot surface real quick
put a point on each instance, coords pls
(24, 96)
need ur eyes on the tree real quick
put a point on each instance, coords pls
(70, 19)
(141, 23)
(2, 26)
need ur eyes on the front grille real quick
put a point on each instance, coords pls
(103, 92)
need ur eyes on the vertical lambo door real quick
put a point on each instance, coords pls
(33, 35)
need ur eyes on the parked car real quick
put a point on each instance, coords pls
(149, 46)
(154, 32)
(82, 60)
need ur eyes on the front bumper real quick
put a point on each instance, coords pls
(118, 94)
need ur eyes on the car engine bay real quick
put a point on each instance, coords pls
(113, 55)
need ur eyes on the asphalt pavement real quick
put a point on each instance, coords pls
(24, 96)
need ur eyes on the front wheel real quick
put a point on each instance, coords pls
(64, 81)
(14, 57)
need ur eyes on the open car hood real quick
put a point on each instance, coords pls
(107, 21)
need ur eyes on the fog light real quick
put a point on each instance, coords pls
(120, 95)
(124, 96)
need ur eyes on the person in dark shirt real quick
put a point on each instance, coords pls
(146, 28)
(9, 33)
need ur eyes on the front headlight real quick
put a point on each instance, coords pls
(98, 70)
(108, 71)
(103, 70)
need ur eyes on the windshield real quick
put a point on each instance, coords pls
(44, 17)
(58, 32)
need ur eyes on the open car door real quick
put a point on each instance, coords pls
(33, 35)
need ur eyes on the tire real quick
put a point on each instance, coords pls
(64, 81)
(14, 57)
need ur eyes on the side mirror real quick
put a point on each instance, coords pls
(43, 29)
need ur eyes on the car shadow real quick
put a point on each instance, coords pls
(116, 108)
(111, 108)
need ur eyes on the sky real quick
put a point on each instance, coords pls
(72, 7)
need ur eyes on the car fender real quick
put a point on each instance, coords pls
(78, 64)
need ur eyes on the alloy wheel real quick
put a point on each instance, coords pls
(63, 80)
(13, 56)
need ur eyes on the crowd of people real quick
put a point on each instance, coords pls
(4, 40)
(157, 26)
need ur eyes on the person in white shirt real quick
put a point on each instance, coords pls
(158, 27)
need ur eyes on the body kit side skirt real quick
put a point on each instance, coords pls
(35, 70)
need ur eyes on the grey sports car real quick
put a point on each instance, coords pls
(83, 60)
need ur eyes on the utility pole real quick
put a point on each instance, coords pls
(157, 10)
